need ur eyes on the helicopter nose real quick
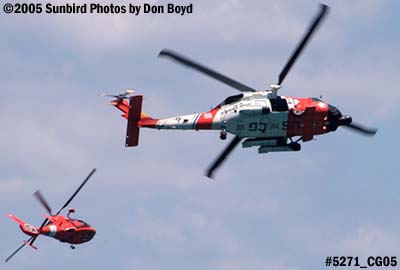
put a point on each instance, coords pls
(89, 235)
(336, 118)
(333, 117)
(334, 112)
(345, 120)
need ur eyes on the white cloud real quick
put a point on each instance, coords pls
(251, 262)
(367, 240)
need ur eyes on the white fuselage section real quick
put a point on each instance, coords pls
(251, 114)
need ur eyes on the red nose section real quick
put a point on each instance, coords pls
(308, 118)
(79, 235)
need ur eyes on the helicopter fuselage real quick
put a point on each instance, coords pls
(255, 115)
(73, 231)
(267, 120)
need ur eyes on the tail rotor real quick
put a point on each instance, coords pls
(124, 95)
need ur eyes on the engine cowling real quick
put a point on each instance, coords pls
(259, 110)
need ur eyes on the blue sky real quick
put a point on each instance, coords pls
(152, 207)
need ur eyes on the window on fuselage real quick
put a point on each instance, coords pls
(79, 223)
(232, 99)
(279, 105)
(316, 99)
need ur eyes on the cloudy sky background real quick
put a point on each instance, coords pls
(152, 207)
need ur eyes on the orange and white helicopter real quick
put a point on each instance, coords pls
(259, 117)
(64, 229)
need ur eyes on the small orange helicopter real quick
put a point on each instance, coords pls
(65, 229)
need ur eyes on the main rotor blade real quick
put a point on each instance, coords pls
(205, 70)
(361, 129)
(39, 196)
(310, 31)
(17, 250)
(108, 95)
(222, 157)
(76, 192)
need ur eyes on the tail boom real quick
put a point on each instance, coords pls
(132, 111)
(25, 227)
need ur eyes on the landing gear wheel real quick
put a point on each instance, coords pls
(223, 134)
(72, 247)
(295, 146)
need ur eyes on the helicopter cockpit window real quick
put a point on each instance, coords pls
(232, 99)
(279, 105)
(80, 223)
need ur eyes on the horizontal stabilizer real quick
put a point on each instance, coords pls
(134, 115)
(25, 227)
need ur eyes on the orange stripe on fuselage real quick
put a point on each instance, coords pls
(147, 122)
(206, 119)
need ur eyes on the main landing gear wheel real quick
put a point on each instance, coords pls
(223, 134)
(295, 146)
(72, 247)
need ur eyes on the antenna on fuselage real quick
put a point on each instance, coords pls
(274, 90)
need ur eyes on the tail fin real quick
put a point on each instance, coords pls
(25, 227)
(132, 111)
(122, 105)
(134, 115)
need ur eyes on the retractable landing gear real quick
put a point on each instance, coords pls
(295, 146)
(72, 247)
(223, 134)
